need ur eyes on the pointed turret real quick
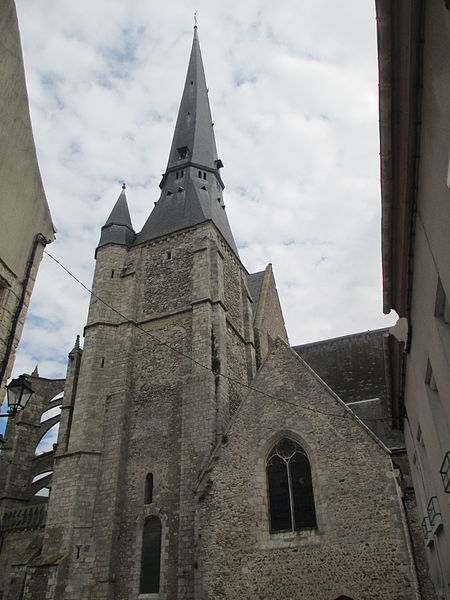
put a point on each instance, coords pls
(118, 228)
(76, 345)
(191, 187)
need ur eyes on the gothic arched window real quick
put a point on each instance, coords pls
(291, 498)
(151, 556)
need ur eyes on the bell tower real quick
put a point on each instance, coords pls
(167, 354)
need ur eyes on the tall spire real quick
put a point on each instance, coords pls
(191, 187)
(194, 129)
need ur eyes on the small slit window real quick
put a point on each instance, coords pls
(290, 491)
(148, 498)
(183, 152)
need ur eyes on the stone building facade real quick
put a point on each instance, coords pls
(23, 476)
(414, 75)
(25, 221)
(198, 455)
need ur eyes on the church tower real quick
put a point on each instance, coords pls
(167, 356)
(199, 456)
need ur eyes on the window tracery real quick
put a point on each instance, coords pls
(290, 491)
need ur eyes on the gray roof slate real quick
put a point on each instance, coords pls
(186, 200)
(352, 365)
(118, 228)
(194, 127)
(186, 208)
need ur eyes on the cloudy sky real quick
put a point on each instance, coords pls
(293, 92)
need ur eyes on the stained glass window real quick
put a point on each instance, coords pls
(291, 498)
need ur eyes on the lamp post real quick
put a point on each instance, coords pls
(18, 392)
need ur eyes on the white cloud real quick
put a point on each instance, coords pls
(48, 440)
(293, 89)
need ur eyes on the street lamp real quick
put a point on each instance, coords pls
(18, 392)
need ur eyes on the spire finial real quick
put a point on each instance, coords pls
(76, 347)
(195, 19)
(124, 187)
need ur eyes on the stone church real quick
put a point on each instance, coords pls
(199, 456)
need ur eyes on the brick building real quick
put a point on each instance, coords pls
(199, 456)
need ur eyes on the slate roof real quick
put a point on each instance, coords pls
(194, 128)
(353, 365)
(118, 228)
(185, 208)
(186, 199)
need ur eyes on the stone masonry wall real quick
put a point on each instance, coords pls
(23, 515)
(147, 401)
(154, 447)
(19, 547)
(167, 276)
(232, 288)
(236, 370)
(173, 290)
(359, 548)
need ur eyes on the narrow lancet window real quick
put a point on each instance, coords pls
(148, 497)
(291, 498)
(151, 557)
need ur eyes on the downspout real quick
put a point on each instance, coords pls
(415, 190)
(417, 145)
(39, 239)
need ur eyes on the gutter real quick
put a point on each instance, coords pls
(390, 102)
